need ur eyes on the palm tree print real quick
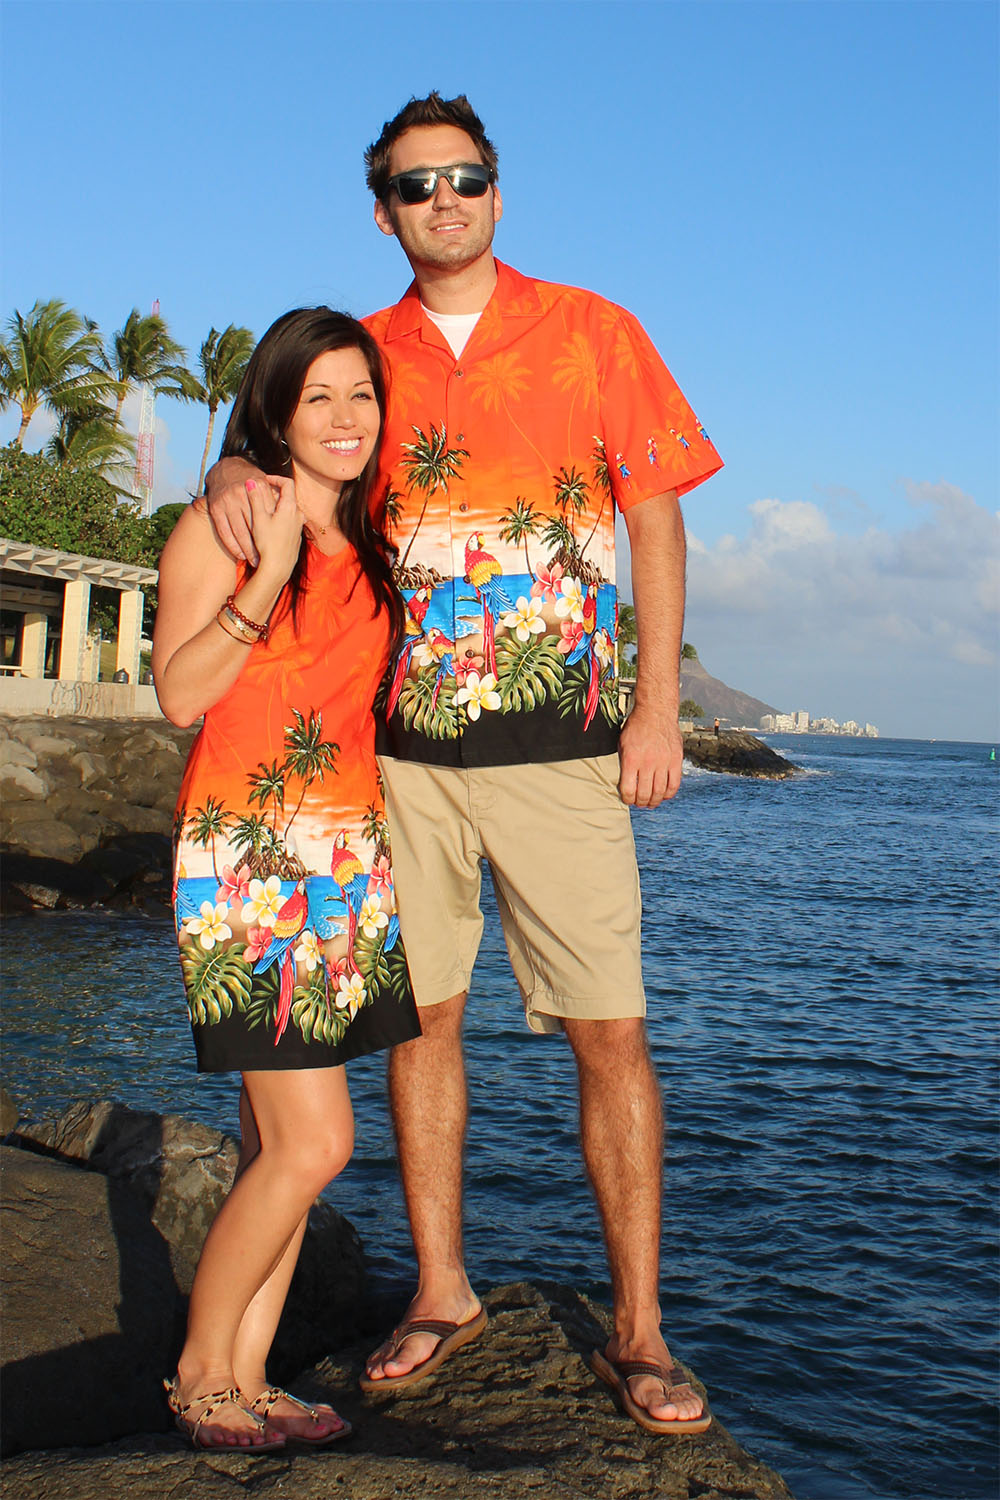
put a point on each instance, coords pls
(517, 524)
(430, 464)
(267, 784)
(602, 478)
(308, 756)
(256, 844)
(205, 824)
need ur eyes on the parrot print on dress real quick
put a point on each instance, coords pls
(288, 928)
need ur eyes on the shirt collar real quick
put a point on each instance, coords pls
(513, 296)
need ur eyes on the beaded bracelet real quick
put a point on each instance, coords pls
(241, 640)
(261, 631)
(237, 624)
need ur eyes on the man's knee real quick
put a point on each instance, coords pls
(615, 1045)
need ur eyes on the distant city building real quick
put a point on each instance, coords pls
(800, 722)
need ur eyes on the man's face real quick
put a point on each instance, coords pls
(447, 232)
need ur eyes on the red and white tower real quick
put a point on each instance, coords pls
(142, 483)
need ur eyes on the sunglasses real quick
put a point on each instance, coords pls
(468, 180)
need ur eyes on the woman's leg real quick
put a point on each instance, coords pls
(260, 1321)
(305, 1129)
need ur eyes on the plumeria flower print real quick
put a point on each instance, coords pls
(467, 663)
(478, 693)
(211, 927)
(525, 619)
(546, 585)
(382, 875)
(572, 635)
(235, 886)
(570, 601)
(258, 939)
(264, 902)
(423, 655)
(351, 993)
(371, 917)
(308, 951)
(337, 969)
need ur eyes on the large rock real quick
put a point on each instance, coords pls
(736, 752)
(79, 787)
(110, 1221)
(517, 1415)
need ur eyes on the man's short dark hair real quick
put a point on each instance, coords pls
(430, 111)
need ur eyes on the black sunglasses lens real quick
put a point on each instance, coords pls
(469, 182)
(418, 187)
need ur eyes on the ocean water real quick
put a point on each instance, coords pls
(821, 970)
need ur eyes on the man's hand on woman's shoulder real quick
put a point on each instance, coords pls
(229, 507)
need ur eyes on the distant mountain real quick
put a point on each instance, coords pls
(718, 700)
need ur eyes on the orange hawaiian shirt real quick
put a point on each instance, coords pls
(502, 472)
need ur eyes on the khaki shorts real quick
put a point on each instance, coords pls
(558, 840)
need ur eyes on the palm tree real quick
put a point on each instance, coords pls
(50, 357)
(223, 358)
(205, 824)
(308, 755)
(571, 495)
(91, 439)
(431, 463)
(253, 839)
(143, 353)
(602, 478)
(518, 523)
(393, 508)
(267, 784)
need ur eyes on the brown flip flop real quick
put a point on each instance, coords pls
(617, 1372)
(451, 1336)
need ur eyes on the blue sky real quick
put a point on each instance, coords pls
(798, 201)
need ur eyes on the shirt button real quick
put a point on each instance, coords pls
(459, 374)
(460, 438)
(464, 505)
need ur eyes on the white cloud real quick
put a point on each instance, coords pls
(899, 627)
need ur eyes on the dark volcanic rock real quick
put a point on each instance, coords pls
(86, 812)
(102, 1237)
(518, 1415)
(737, 753)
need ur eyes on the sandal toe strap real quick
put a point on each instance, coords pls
(263, 1404)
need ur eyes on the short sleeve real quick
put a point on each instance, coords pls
(652, 438)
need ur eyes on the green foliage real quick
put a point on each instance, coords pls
(314, 1013)
(689, 709)
(688, 653)
(70, 510)
(627, 631)
(262, 1007)
(439, 721)
(214, 979)
(528, 672)
(51, 357)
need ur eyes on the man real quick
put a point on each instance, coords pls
(520, 413)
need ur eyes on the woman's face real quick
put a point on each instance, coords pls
(335, 426)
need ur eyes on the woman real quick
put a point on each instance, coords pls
(289, 942)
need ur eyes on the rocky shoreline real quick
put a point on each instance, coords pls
(105, 1211)
(87, 805)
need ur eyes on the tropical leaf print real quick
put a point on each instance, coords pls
(215, 980)
(440, 720)
(262, 1009)
(313, 1012)
(528, 672)
(574, 693)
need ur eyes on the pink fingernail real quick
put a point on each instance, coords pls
(251, 484)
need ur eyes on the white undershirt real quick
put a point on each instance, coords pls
(456, 327)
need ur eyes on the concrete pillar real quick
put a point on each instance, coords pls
(91, 668)
(129, 633)
(76, 608)
(33, 641)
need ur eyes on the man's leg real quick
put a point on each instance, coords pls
(621, 1129)
(429, 1111)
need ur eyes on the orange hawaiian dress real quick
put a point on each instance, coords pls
(283, 892)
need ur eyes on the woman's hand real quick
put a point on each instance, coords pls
(277, 527)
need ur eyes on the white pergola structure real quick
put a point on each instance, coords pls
(39, 602)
